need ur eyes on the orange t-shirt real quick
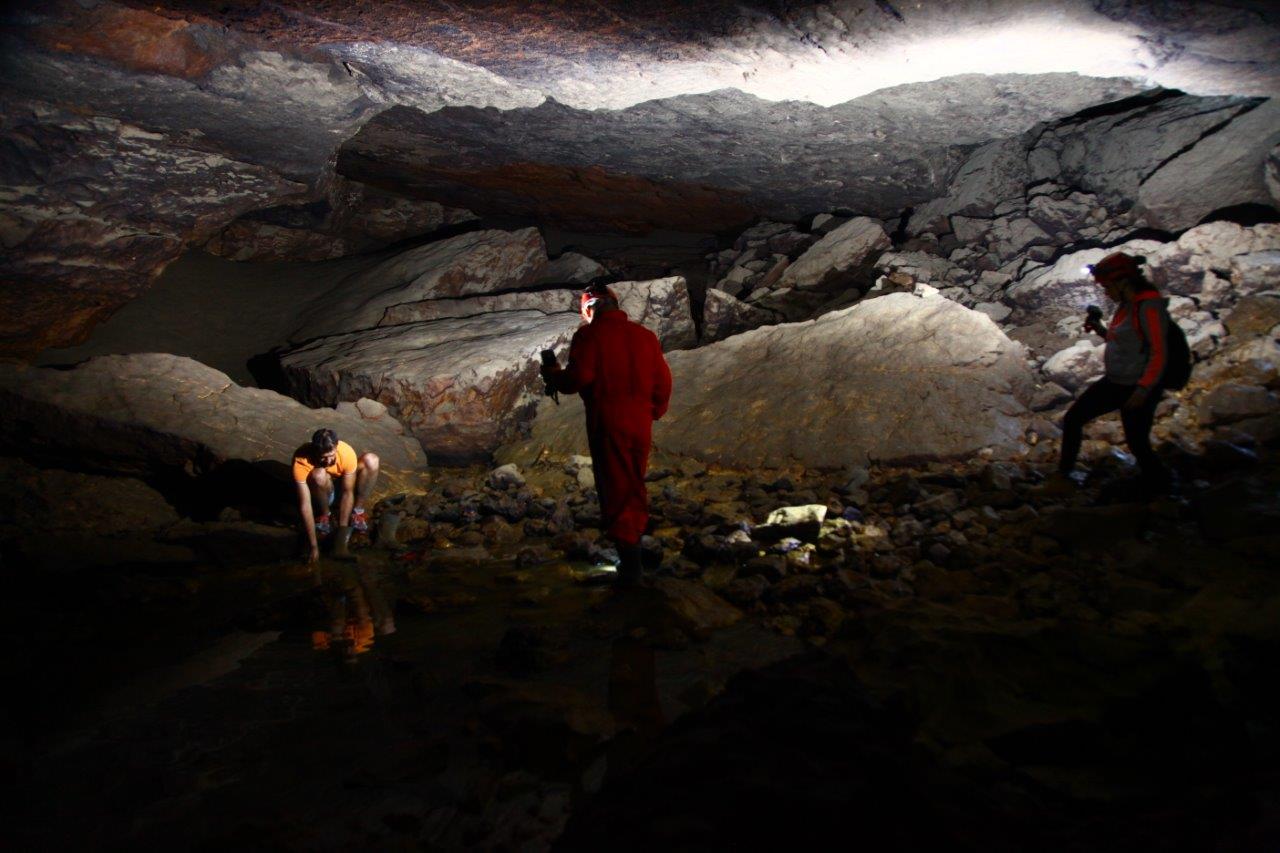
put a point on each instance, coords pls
(344, 464)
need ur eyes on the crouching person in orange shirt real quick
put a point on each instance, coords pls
(316, 466)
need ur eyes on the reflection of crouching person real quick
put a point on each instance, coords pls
(316, 465)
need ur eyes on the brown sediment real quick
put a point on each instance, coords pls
(132, 38)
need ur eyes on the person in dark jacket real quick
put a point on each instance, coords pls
(1135, 359)
(618, 368)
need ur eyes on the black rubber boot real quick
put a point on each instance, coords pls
(629, 570)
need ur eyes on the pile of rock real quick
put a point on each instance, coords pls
(788, 274)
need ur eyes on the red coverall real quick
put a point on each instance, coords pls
(618, 368)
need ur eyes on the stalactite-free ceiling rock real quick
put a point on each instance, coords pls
(607, 116)
(154, 414)
(891, 378)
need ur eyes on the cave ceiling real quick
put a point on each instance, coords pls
(600, 116)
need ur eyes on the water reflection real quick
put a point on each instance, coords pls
(357, 608)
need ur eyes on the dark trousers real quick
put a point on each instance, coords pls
(1101, 398)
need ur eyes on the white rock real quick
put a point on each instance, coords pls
(1075, 366)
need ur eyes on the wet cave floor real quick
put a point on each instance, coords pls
(1118, 693)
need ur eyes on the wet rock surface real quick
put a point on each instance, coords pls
(1030, 666)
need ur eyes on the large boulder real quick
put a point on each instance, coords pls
(1221, 169)
(892, 378)
(839, 256)
(662, 306)
(470, 264)
(155, 413)
(462, 385)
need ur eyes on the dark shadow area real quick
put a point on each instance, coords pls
(1246, 215)
(259, 491)
(268, 372)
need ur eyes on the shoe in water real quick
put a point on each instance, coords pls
(359, 522)
(323, 528)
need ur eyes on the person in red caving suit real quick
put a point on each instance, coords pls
(618, 368)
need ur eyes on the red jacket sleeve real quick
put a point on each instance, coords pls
(662, 382)
(581, 370)
(1156, 345)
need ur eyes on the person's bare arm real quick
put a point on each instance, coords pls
(348, 499)
(308, 521)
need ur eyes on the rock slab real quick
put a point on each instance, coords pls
(155, 413)
(461, 385)
(892, 378)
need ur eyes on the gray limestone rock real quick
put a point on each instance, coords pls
(995, 310)
(1075, 366)
(916, 377)
(1232, 402)
(546, 301)
(460, 385)
(839, 256)
(662, 307)
(474, 263)
(157, 413)
(1256, 272)
(1223, 168)
(505, 477)
(921, 266)
(1254, 316)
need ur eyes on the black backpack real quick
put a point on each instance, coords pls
(1177, 368)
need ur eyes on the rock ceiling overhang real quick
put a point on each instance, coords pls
(132, 130)
(859, 100)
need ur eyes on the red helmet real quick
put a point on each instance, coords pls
(1117, 266)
